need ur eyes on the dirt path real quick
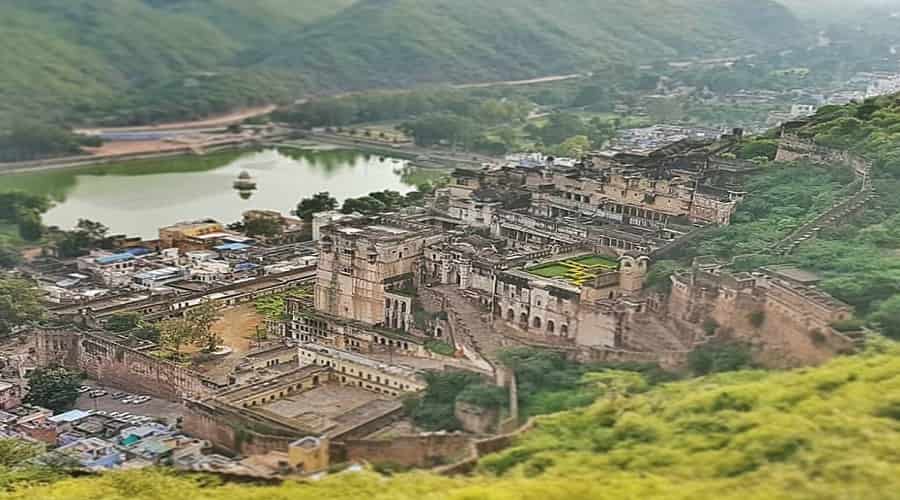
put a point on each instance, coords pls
(513, 83)
(216, 121)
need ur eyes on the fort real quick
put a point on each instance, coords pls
(118, 361)
(550, 256)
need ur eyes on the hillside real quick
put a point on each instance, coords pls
(401, 42)
(826, 433)
(67, 59)
(84, 60)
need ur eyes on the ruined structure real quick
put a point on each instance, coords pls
(778, 310)
(118, 361)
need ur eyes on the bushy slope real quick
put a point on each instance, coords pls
(826, 433)
(383, 42)
(59, 59)
(61, 54)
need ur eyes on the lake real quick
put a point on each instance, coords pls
(136, 198)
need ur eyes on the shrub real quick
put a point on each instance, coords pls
(720, 357)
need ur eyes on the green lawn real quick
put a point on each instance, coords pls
(550, 271)
(596, 260)
(591, 265)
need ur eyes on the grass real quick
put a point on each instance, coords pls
(575, 271)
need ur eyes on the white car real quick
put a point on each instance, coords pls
(141, 400)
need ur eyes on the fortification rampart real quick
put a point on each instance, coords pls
(106, 359)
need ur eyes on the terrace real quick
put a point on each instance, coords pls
(576, 271)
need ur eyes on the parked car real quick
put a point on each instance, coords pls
(98, 393)
(84, 388)
(119, 395)
(141, 400)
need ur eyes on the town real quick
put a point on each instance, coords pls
(298, 351)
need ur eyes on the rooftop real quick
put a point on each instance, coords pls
(69, 416)
(114, 259)
(357, 359)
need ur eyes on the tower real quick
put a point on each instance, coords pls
(633, 272)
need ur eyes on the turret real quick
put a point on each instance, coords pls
(633, 270)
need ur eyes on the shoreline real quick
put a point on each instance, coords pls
(57, 164)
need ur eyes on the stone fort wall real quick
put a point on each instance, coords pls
(107, 361)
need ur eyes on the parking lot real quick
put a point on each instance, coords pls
(156, 409)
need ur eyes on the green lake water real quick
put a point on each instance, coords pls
(136, 198)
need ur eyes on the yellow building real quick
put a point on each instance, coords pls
(309, 454)
(177, 235)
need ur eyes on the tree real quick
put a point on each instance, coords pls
(9, 257)
(174, 334)
(266, 227)
(202, 320)
(86, 235)
(53, 388)
(718, 357)
(320, 202)
(559, 127)
(30, 226)
(123, 322)
(14, 203)
(19, 304)
(575, 147)
(96, 231)
(365, 205)
(888, 317)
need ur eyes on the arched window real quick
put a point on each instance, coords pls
(551, 327)
(510, 315)
(564, 330)
(537, 322)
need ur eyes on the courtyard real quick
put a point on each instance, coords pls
(576, 271)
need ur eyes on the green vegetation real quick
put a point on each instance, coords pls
(548, 383)
(381, 43)
(194, 328)
(319, 202)
(34, 141)
(70, 61)
(53, 388)
(384, 201)
(23, 211)
(20, 304)
(720, 357)
(440, 347)
(741, 435)
(123, 322)
(859, 259)
(577, 271)
(272, 306)
(434, 410)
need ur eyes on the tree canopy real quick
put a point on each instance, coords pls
(53, 388)
(20, 303)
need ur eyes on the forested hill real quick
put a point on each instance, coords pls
(65, 60)
(386, 42)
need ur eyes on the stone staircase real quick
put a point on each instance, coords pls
(838, 213)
